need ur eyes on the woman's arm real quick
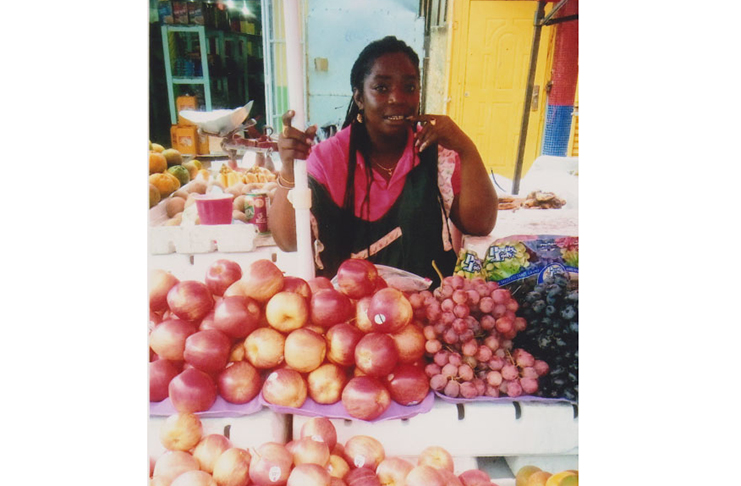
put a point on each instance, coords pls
(474, 209)
(292, 144)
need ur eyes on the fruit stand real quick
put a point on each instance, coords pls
(223, 299)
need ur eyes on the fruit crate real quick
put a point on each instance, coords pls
(476, 429)
(244, 431)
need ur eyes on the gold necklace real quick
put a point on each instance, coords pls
(389, 172)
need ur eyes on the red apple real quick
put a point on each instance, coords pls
(221, 274)
(424, 476)
(237, 352)
(260, 281)
(327, 382)
(309, 475)
(364, 451)
(376, 354)
(192, 391)
(271, 465)
(320, 429)
(393, 471)
(319, 283)
(190, 300)
(356, 278)
(208, 320)
(364, 397)
(264, 348)
(181, 432)
(172, 464)
(239, 382)
(208, 450)
(194, 478)
(450, 478)
(410, 342)
(208, 350)
(381, 283)
(297, 285)
(306, 450)
(437, 457)
(287, 311)
(285, 387)
(160, 283)
(304, 350)
(161, 372)
(341, 341)
(338, 466)
(408, 384)
(389, 310)
(362, 476)
(236, 316)
(167, 339)
(362, 321)
(474, 477)
(330, 307)
(232, 468)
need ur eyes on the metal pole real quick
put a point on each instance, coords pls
(301, 195)
(528, 97)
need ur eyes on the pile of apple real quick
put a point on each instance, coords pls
(469, 325)
(315, 458)
(239, 333)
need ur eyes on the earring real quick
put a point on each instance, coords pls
(359, 118)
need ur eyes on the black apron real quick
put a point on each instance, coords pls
(417, 212)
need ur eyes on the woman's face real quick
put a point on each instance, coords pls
(390, 94)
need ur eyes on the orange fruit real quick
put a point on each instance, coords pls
(157, 163)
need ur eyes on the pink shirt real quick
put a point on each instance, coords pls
(328, 165)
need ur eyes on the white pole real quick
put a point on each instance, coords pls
(301, 196)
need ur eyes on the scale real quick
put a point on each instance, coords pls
(232, 126)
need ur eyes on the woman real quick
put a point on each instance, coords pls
(387, 186)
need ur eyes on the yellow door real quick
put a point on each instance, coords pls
(491, 48)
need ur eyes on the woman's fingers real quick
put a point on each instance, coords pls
(292, 142)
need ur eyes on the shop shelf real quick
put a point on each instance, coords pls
(477, 429)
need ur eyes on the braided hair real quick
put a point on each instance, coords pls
(359, 139)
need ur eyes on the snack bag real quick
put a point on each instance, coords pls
(468, 264)
(518, 257)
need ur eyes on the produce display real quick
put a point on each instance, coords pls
(174, 183)
(314, 458)
(239, 335)
(469, 332)
(552, 310)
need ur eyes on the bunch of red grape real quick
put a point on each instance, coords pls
(469, 325)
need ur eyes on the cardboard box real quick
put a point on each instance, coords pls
(180, 12)
(202, 144)
(185, 103)
(164, 10)
(195, 13)
(248, 27)
(184, 139)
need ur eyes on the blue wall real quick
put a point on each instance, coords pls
(338, 31)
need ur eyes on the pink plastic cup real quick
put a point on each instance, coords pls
(214, 208)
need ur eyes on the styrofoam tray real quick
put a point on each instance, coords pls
(337, 410)
(220, 408)
(489, 429)
(226, 238)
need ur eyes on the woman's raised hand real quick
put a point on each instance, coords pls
(294, 143)
(440, 129)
